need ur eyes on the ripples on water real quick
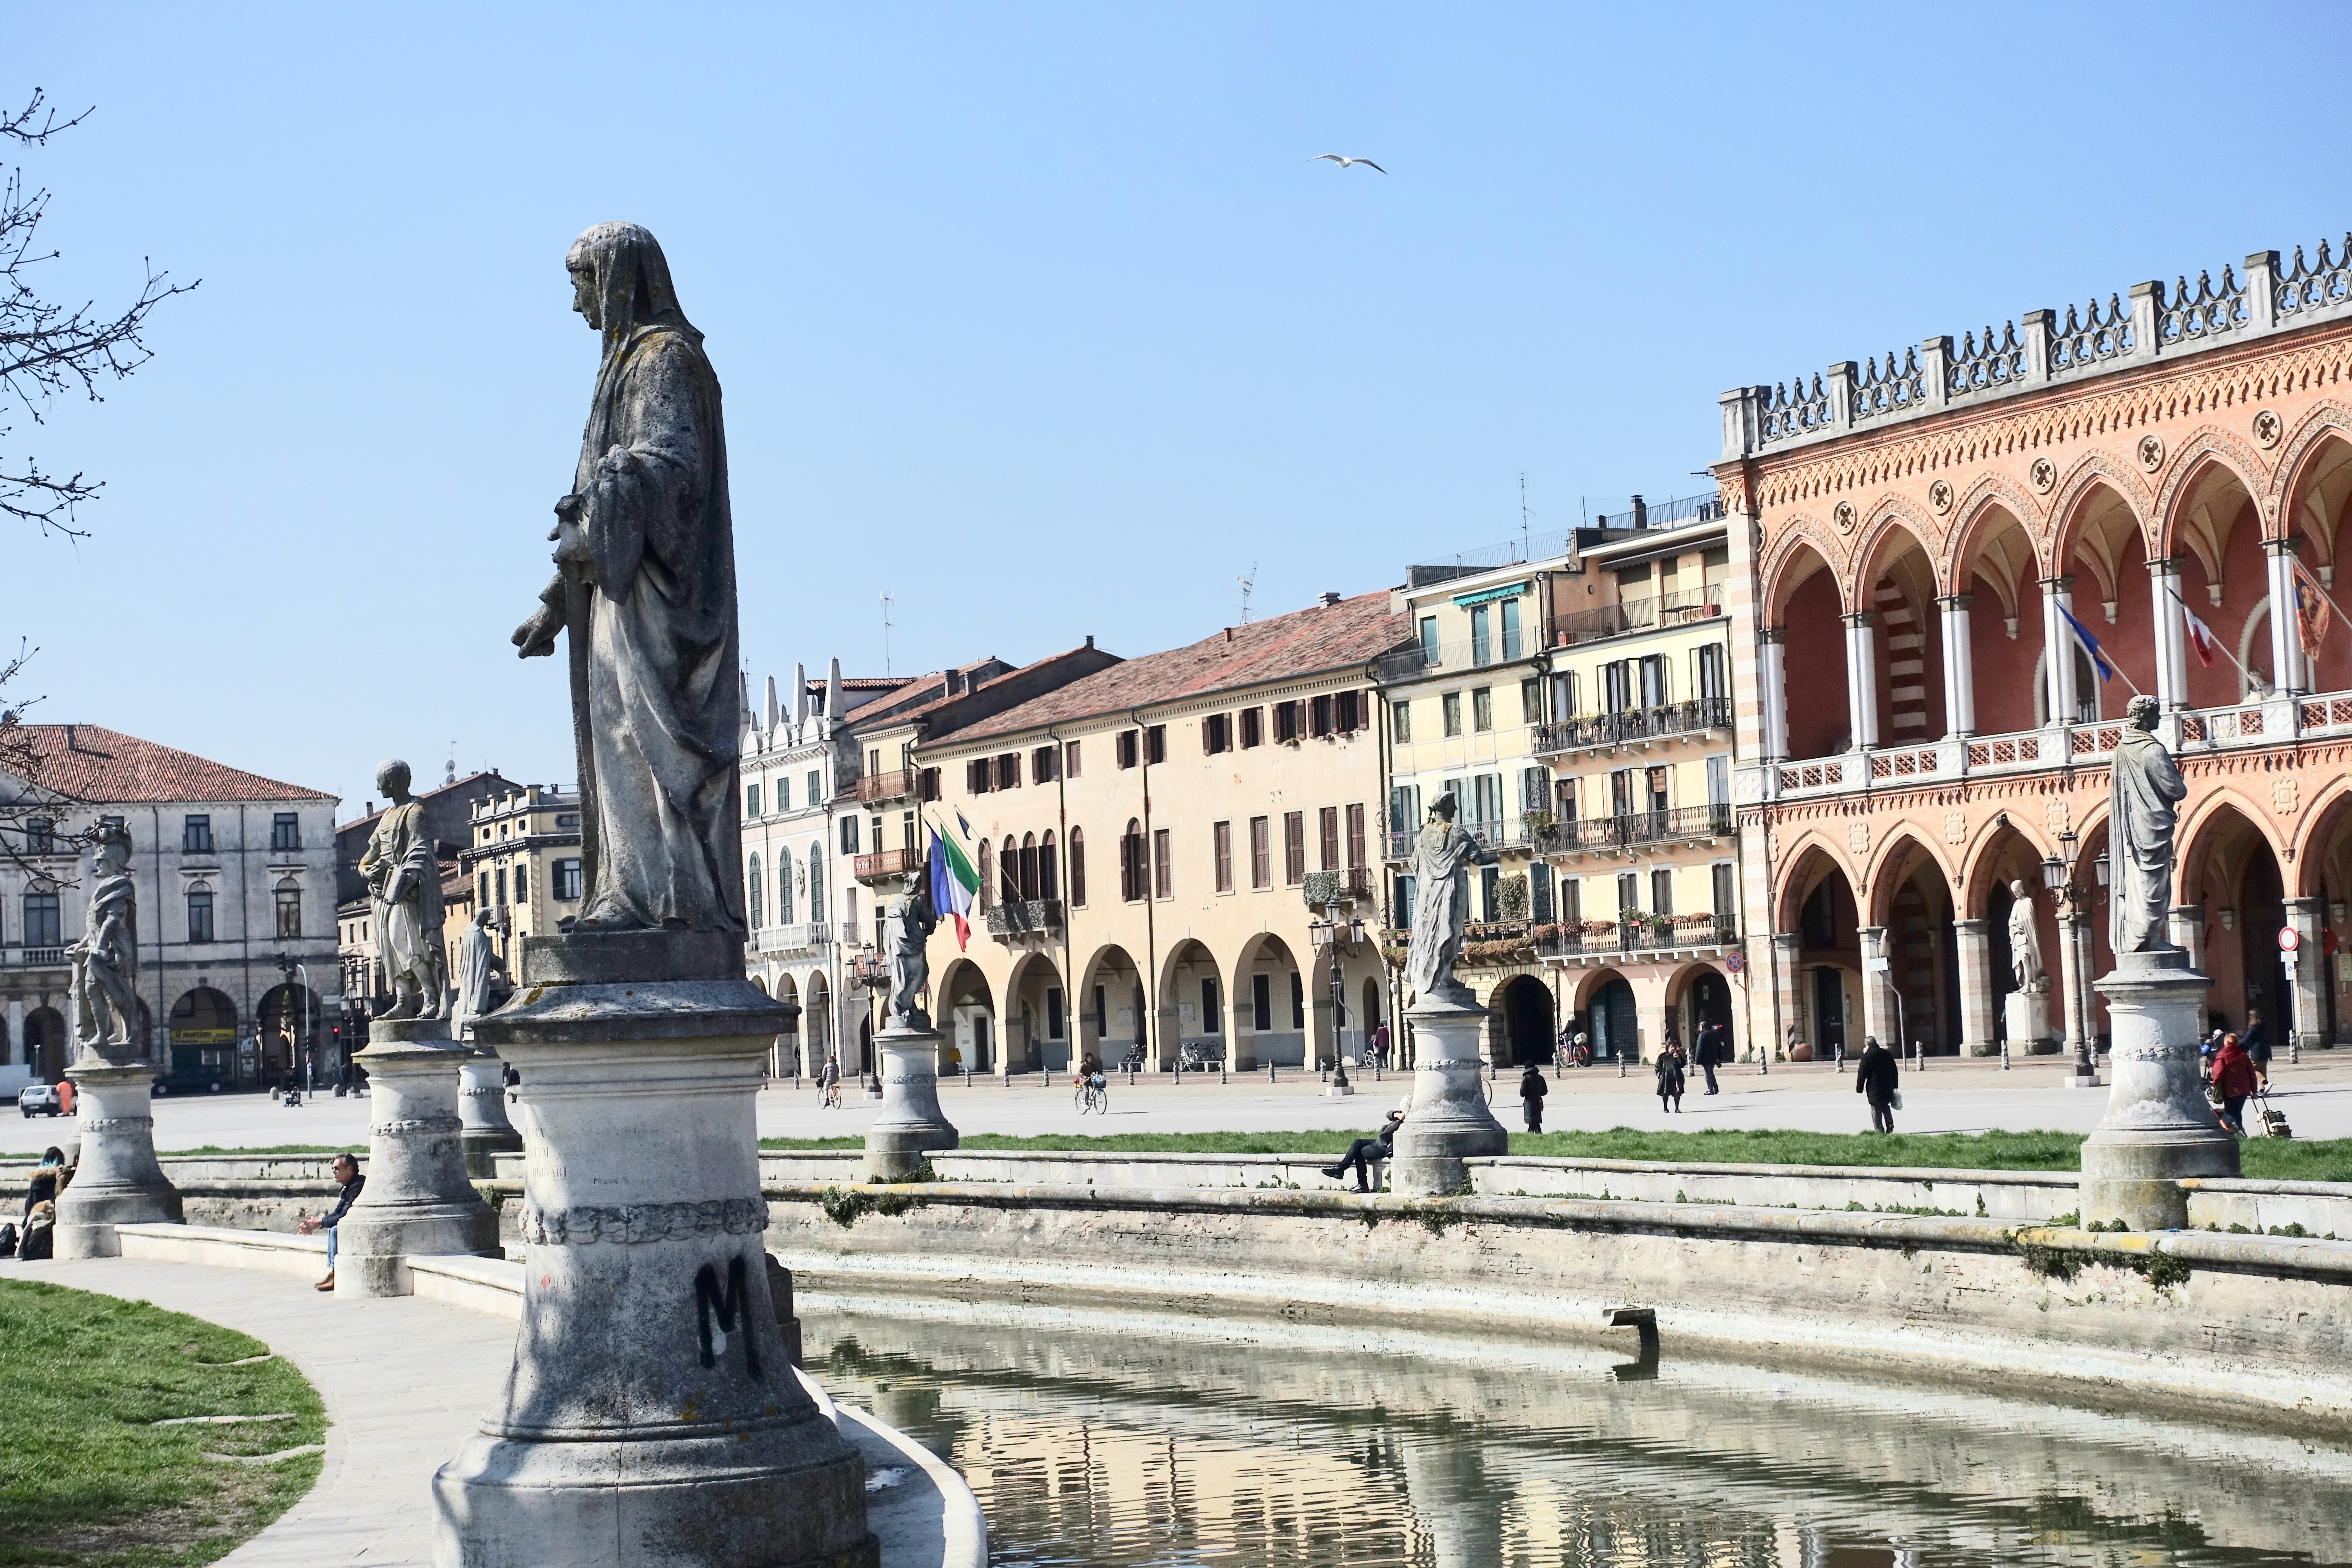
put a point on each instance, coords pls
(1124, 1441)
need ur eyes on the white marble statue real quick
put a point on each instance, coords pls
(404, 879)
(2025, 941)
(2145, 787)
(906, 933)
(645, 584)
(106, 960)
(1442, 857)
(478, 960)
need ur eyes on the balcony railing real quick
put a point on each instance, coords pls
(801, 938)
(39, 957)
(1679, 608)
(1588, 834)
(1696, 716)
(1330, 886)
(1501, 647)
(1026, 917)
(888, 863)
(1674, 934)
(885, 786)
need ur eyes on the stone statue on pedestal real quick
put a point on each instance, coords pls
(906, 933)
(645, 584)
(404, 879)
(106, 960)
(2025, 941)
(2145, 788)
(478, 960)
(1442, 857)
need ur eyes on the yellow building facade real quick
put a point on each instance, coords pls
(1177, 855)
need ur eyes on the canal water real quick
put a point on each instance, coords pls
(1122, 1440)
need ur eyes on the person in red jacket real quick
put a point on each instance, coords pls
(2233, 1078)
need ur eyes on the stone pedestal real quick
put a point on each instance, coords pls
(483, 1130)
(651, 1416)
(419, 1202)
(2157, 1128)
(911, 1123)
(2026, 1016)
(117, 1181)
(1449, 1121)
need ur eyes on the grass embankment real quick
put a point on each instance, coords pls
(2267, 1159)
(89, 1480)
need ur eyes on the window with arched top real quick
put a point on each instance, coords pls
(1029, 867)
(1077, 866)
(783, 886)
(816, 882)
(1048, 881)
(200, 911)
(1130, 862)
(1008, 872)
(751, 899)
(290, 910)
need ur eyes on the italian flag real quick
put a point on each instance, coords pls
(954, 885)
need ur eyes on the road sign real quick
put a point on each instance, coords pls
(1735, 962)
(2288, 940)
(1876, 965)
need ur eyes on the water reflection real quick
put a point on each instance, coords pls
(1121, 1440)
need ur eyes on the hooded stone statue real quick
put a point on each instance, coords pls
(645, 552)
(478, 960)
(2146, 788)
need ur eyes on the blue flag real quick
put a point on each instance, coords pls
(2090, 645)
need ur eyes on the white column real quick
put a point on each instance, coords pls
(15, 1031)
(2172, 634)
(2286, 655)
(1974, 944)
(1862, 678)
(2058, 649)
(1773, 693)
(1877, 992)
(1960, 670)
(2308, 1029)
(2071, 979)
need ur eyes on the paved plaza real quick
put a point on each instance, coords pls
(1946, 1096)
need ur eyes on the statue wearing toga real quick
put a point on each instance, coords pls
(2144, 790)
(906, 935)
(1442, 857)
(106, 960)
(646, 587)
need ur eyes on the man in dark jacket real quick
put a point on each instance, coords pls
(1875, 1081)
(346, 1172)
(2256, 1043)
(1714, 1050)
(1532, 1089)
(1381, 1146)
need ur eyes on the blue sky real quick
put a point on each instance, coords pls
(1034, 317)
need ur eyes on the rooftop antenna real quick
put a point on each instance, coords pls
(1247, 583)
(449, 774)
(887, 601)
(1526, 550)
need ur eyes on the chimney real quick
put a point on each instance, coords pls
(1329, 599)
(1090, 639)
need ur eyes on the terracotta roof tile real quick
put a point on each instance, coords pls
(106, 767)
(1281, 647)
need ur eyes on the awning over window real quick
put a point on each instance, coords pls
(1463, 601)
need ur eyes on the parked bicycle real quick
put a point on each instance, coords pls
(1132, 1061)
(1199, 1056)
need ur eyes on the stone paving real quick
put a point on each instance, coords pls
(405, 1381)
(1949, 1096)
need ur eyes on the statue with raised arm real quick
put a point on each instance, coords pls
(645, 587)
(2025, 941)
(2145, 789)
(404, 879)
(106, 960)
(1442, 857)
(906, 934)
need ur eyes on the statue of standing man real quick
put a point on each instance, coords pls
(906, 936)
(2025, 941)
(478, 960)
(2146, 788)
(1442, 857)
(404, 879)
(106, 960)
(645, 585)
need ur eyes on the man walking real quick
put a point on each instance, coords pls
(1875, 1081)
(2256, 1044)
(347, 1173)
(1713, 1049)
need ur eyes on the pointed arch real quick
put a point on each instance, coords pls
(1895, 528)
(1992, 852)
(2197, 460)
(1784, 565)
(2217, 813)
(2071, 504)
(1895, 860)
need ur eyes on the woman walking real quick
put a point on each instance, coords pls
(1669, 1068)
(1532, 1089)
(2234, 1080)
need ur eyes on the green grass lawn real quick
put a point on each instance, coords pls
(2267, 1158)
(86, 1478)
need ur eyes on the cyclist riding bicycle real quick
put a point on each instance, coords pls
(828, 1079)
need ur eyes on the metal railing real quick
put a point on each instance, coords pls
(1672, 512)
(1460, 654)
(885, 786)
(1696, 716)
(1026, 917)
(888, 863)
(1680, 608)
(1592, 832)
(1643, 935)
(797, 938)
(1330, 886)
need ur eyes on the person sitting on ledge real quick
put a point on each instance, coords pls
(1382, 1146)
(346, 1172)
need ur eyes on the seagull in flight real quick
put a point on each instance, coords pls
(1346, 162)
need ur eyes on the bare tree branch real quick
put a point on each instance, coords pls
(30, 835)
(48, 349)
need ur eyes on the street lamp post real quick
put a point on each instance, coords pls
(1341, 937)
(2076, 902)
